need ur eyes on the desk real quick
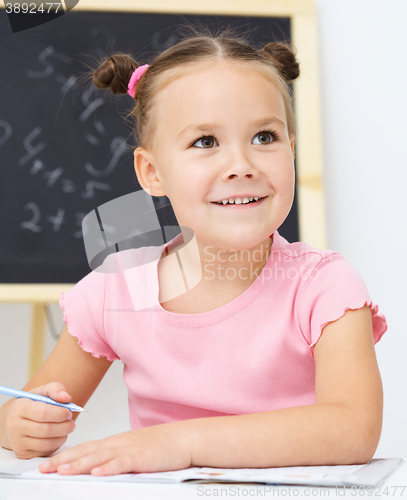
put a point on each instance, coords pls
(14, 489)
(39, 296)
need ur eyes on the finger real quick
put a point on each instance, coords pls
(38, 411)
(38, 445)
(84, 464)
(118, 465)
(48, 429)
(68, 456)
(53, 390)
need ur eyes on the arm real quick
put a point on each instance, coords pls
(343, 427)
(68, 363)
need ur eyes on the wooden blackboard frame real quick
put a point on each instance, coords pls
(309, 161)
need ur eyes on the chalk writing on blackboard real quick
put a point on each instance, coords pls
(56, 220)
(8, 130)
(64, 146)
(32, 224)
(55, 177)
(31, 150)
(49, 68)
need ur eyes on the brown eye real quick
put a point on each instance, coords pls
(207, 141)
(264, 137)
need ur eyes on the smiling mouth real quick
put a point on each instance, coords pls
(241, 203)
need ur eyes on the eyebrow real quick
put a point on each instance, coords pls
(207, 127)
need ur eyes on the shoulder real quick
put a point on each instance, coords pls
(307, 264)
(92, 283)
(299, 250)
(86, 298)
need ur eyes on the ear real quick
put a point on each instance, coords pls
(292, 144)
(147, 174)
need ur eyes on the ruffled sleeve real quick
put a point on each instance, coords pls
(83, 309)
(332, 288)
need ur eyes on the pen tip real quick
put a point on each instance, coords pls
(76, 408)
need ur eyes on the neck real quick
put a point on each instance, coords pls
(225, 269)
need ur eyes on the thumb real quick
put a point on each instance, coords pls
(53, 390)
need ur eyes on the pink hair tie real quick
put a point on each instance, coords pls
(135, 77)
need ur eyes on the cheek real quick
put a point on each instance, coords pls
(188, 184)
(288, 188)
(282, 179)
(183, 197)
(180, 190)
(289, 179)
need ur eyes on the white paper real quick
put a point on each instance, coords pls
(372, 474)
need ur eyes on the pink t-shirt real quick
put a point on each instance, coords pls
(253, 354)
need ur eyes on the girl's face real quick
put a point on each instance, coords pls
(221, 135)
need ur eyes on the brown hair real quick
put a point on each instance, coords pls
(275, 61)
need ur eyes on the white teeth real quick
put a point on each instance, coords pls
(238, 201)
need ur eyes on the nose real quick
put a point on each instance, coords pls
(240, 165)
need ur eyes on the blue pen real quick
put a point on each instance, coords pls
(15, 393)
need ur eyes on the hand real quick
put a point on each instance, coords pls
(157, 448)
(37, 429)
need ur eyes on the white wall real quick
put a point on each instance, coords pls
(363, 45)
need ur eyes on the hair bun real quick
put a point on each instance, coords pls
(115, 72)
(287, 63)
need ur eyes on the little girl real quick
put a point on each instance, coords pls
(268, 359)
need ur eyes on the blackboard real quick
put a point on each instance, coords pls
(64, 146)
